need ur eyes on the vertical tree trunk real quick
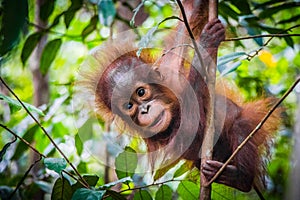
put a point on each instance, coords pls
(207, 145)
(294, 180)
(40, 82)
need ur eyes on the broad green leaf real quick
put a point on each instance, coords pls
(188, 190)
(90, 179)
(56, 164)
(185, 167)
(61, 190)
(90, 27)
(78, 144)
(47, 9)
(164, 192)
(106, 12)
(126, 163)
(6, 146)
(142, 194)
(21, 146)
(16, 106)
(111, 184)
(29, 45)
(87, 194)
(115, 195)
(48, 55)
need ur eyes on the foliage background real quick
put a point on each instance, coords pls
(65, 31)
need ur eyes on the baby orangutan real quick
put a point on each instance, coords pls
(172, 114)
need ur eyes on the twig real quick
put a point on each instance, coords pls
(254, 131)
(259, 36)
(45, 132)
(23, 140)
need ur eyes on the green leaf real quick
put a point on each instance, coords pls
(267, 13)
(164, 192)
(115, 195)
(70, 13)
(162, 171)
(142, 194)
(90, 179)
(111, 184)
(16, 105)
(87, 194)
(61, 190)
(126, 163)
(90, 27)
(48, 55)
(4, 149)
(230, 68)
(13, 16)
(56, 164)
(185, 167)
(78, 144)
(22, 147)
(106, 12)
(47, 9)
(45, 186)
(229, 57)
(29, 45)
(188, 190)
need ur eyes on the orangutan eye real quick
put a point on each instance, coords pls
(140, 92)
(128, 106)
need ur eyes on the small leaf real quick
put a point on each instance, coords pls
(78, 144)
(90, 27)
(230, 57)
(106, 12)
(188, 190)
(48, 55)
(126, 163)
(61, 190)
(29, 45)
(56, 164)
(70, 13)
(185, 167)
(16, 106)
(111, 184)
(230, 68)
(162, 171)
(142, 194)
(47, 9)
(90, 179)
(87, 194)
(3, 150)
(164, 192)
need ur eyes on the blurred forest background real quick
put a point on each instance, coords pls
(44, 42)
